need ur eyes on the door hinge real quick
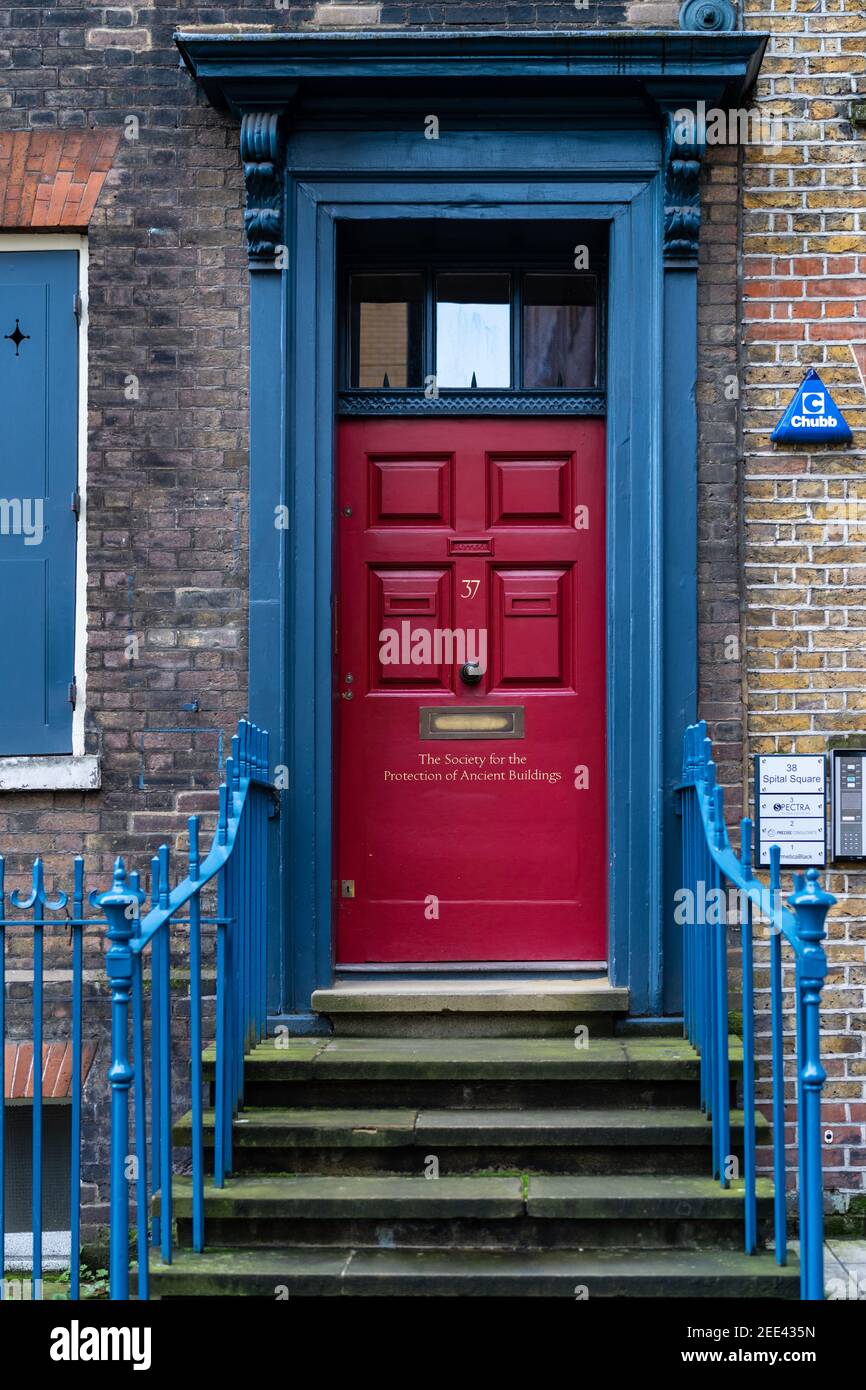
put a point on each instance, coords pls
(75, 504)
(72, 695)
(76, 306)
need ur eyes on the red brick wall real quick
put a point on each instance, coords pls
(51, 180)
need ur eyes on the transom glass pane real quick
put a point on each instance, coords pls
(387, 317)
(473, 331)
(559, 331)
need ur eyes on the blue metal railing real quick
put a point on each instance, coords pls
(67, 969)
(710, 871)
(237, 865)
(234, 873)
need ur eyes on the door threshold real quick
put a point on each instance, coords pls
(447, 969)
(455, 1000)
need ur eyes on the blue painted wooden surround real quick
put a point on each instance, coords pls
(538, 125)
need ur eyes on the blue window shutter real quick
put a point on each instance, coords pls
(38, 477)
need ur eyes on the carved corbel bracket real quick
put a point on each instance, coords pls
(684, 145)
(262, 152)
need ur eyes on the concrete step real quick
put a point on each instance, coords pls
(277, 1273)
(481, 1211)
(354, 1141)
(487, 1006)
(472, 1071)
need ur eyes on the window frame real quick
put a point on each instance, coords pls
(77, 770)
(516, 398)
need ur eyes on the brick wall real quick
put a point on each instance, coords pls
(804, 579)
(719, 646)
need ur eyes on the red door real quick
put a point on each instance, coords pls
(471, 812)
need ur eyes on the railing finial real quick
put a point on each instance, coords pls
(37, 892)
(257, 751)
(78, 886)
(223, 818)
(690, 753)
(811, 903)
(719, 816)
(746, 840)
(192, 825)
(164, 882)
(709, 777)
(706, 757)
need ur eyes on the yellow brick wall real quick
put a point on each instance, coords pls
(802, 511)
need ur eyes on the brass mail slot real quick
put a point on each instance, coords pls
(461, 545)
(501, 721)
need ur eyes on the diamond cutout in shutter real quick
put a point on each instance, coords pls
(17, 337)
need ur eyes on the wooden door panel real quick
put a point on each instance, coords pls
(471, 540)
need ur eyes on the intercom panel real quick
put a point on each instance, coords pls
(848, 805)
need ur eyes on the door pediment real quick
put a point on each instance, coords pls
(239, 69)
(602, 80)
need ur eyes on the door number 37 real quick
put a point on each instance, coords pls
(470, 588)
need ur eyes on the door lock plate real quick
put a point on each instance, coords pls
(347, 888)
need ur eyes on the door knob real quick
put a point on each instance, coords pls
(471, 673)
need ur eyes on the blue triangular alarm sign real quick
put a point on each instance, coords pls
(813, 417)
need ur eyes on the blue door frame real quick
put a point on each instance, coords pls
(303, 176)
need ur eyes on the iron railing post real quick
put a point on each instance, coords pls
(748, 997)
(777, 1048)
(811, 904)
(119, 906)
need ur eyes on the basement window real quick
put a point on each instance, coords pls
(56, 1148)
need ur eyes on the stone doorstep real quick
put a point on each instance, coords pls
(491, 995)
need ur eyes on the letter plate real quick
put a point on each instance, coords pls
(461, 545)
(487, 721)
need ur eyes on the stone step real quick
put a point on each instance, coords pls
(470, 1196)
(277, 1273)
(506, 1071)
(485, 1006)
(535, 1140)
(337, 1198)
(475, 1058)
(481, 1211)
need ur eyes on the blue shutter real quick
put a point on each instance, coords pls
(38, 476)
